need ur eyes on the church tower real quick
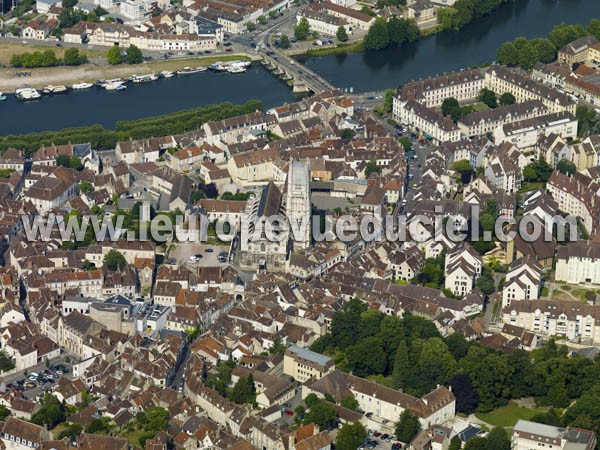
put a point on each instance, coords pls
(297, 206)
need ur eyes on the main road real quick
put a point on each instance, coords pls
(260, 40)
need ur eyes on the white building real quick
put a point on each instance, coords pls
(533, 436)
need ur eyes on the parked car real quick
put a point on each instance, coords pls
(209, 250)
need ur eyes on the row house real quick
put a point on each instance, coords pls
(481, 123)
(578, 196)
(462, 267)
(426, 121)
(525, 134)
(572, 320)
(523, 281)
(464, 86)
(523, 88)
(578, 263)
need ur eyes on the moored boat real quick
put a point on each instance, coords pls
(144, 78)
(167, 74)
(27, 94)
(55, 89)
(2, 97)
(80, 86)
(189, 70)
(115, 86)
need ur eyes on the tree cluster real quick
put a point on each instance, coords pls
(464, 12)
(101, 138)
(538, 170)
(392, 33)
(525, 53)
(47, 58)
(410, 355)
(302, 29)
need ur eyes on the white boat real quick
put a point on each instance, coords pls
(236, 69)
(2, 97)
(104, 83)
(80, 86)
(167, 74)
(189, 70)
(144, 78)
(115, 86)
(27, 94)
(55, 89)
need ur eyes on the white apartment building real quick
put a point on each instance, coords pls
(573, 320)
(535, 436)
(577, 196)
(501, 79)
(302, 364)
(525, 134)
(578, 263)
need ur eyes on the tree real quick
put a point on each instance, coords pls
(377, 37)
(244, 390)
(449, 106)
(408, 426)
(488, 97)
(86, 186)
(6, 362)
(457, 345)
(538, 170)
(134, 55)
(388, 101)
(465, 169)
(71, 431)
(367, 357)
(545, 50)
(497, 439)
(507, 99)
(341, 34)
(371, 167)
(567, 167)
(114, 260)
(405, 142)
(350, 436)
(588, 120)
(51, 413)
(114, 55)
(455, 443)
(72, 57)
(507, 54)
(486, 284)
(323, 414)
(347, 133)
(557, 395)
(250, 26)
(401, 366)
(311, 400)
(350, 402)
(284, 41)
(302, 29)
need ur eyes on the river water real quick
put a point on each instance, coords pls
(475, 44)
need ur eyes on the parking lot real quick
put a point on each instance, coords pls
(209, 255)
(380, 441)
(37, 383)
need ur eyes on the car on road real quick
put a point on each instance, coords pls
(229, 50)
(396, 446)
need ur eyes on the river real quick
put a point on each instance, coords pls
(97, 106)
(475, 44)
(443, 52)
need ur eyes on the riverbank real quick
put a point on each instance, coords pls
(7, 49)
(69, 75)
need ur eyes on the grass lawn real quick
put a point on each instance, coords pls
(557, 294)
(7, 49)
(544, 292)
(530, 186)
(133, 437)
(507, 416)
(89, 72)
